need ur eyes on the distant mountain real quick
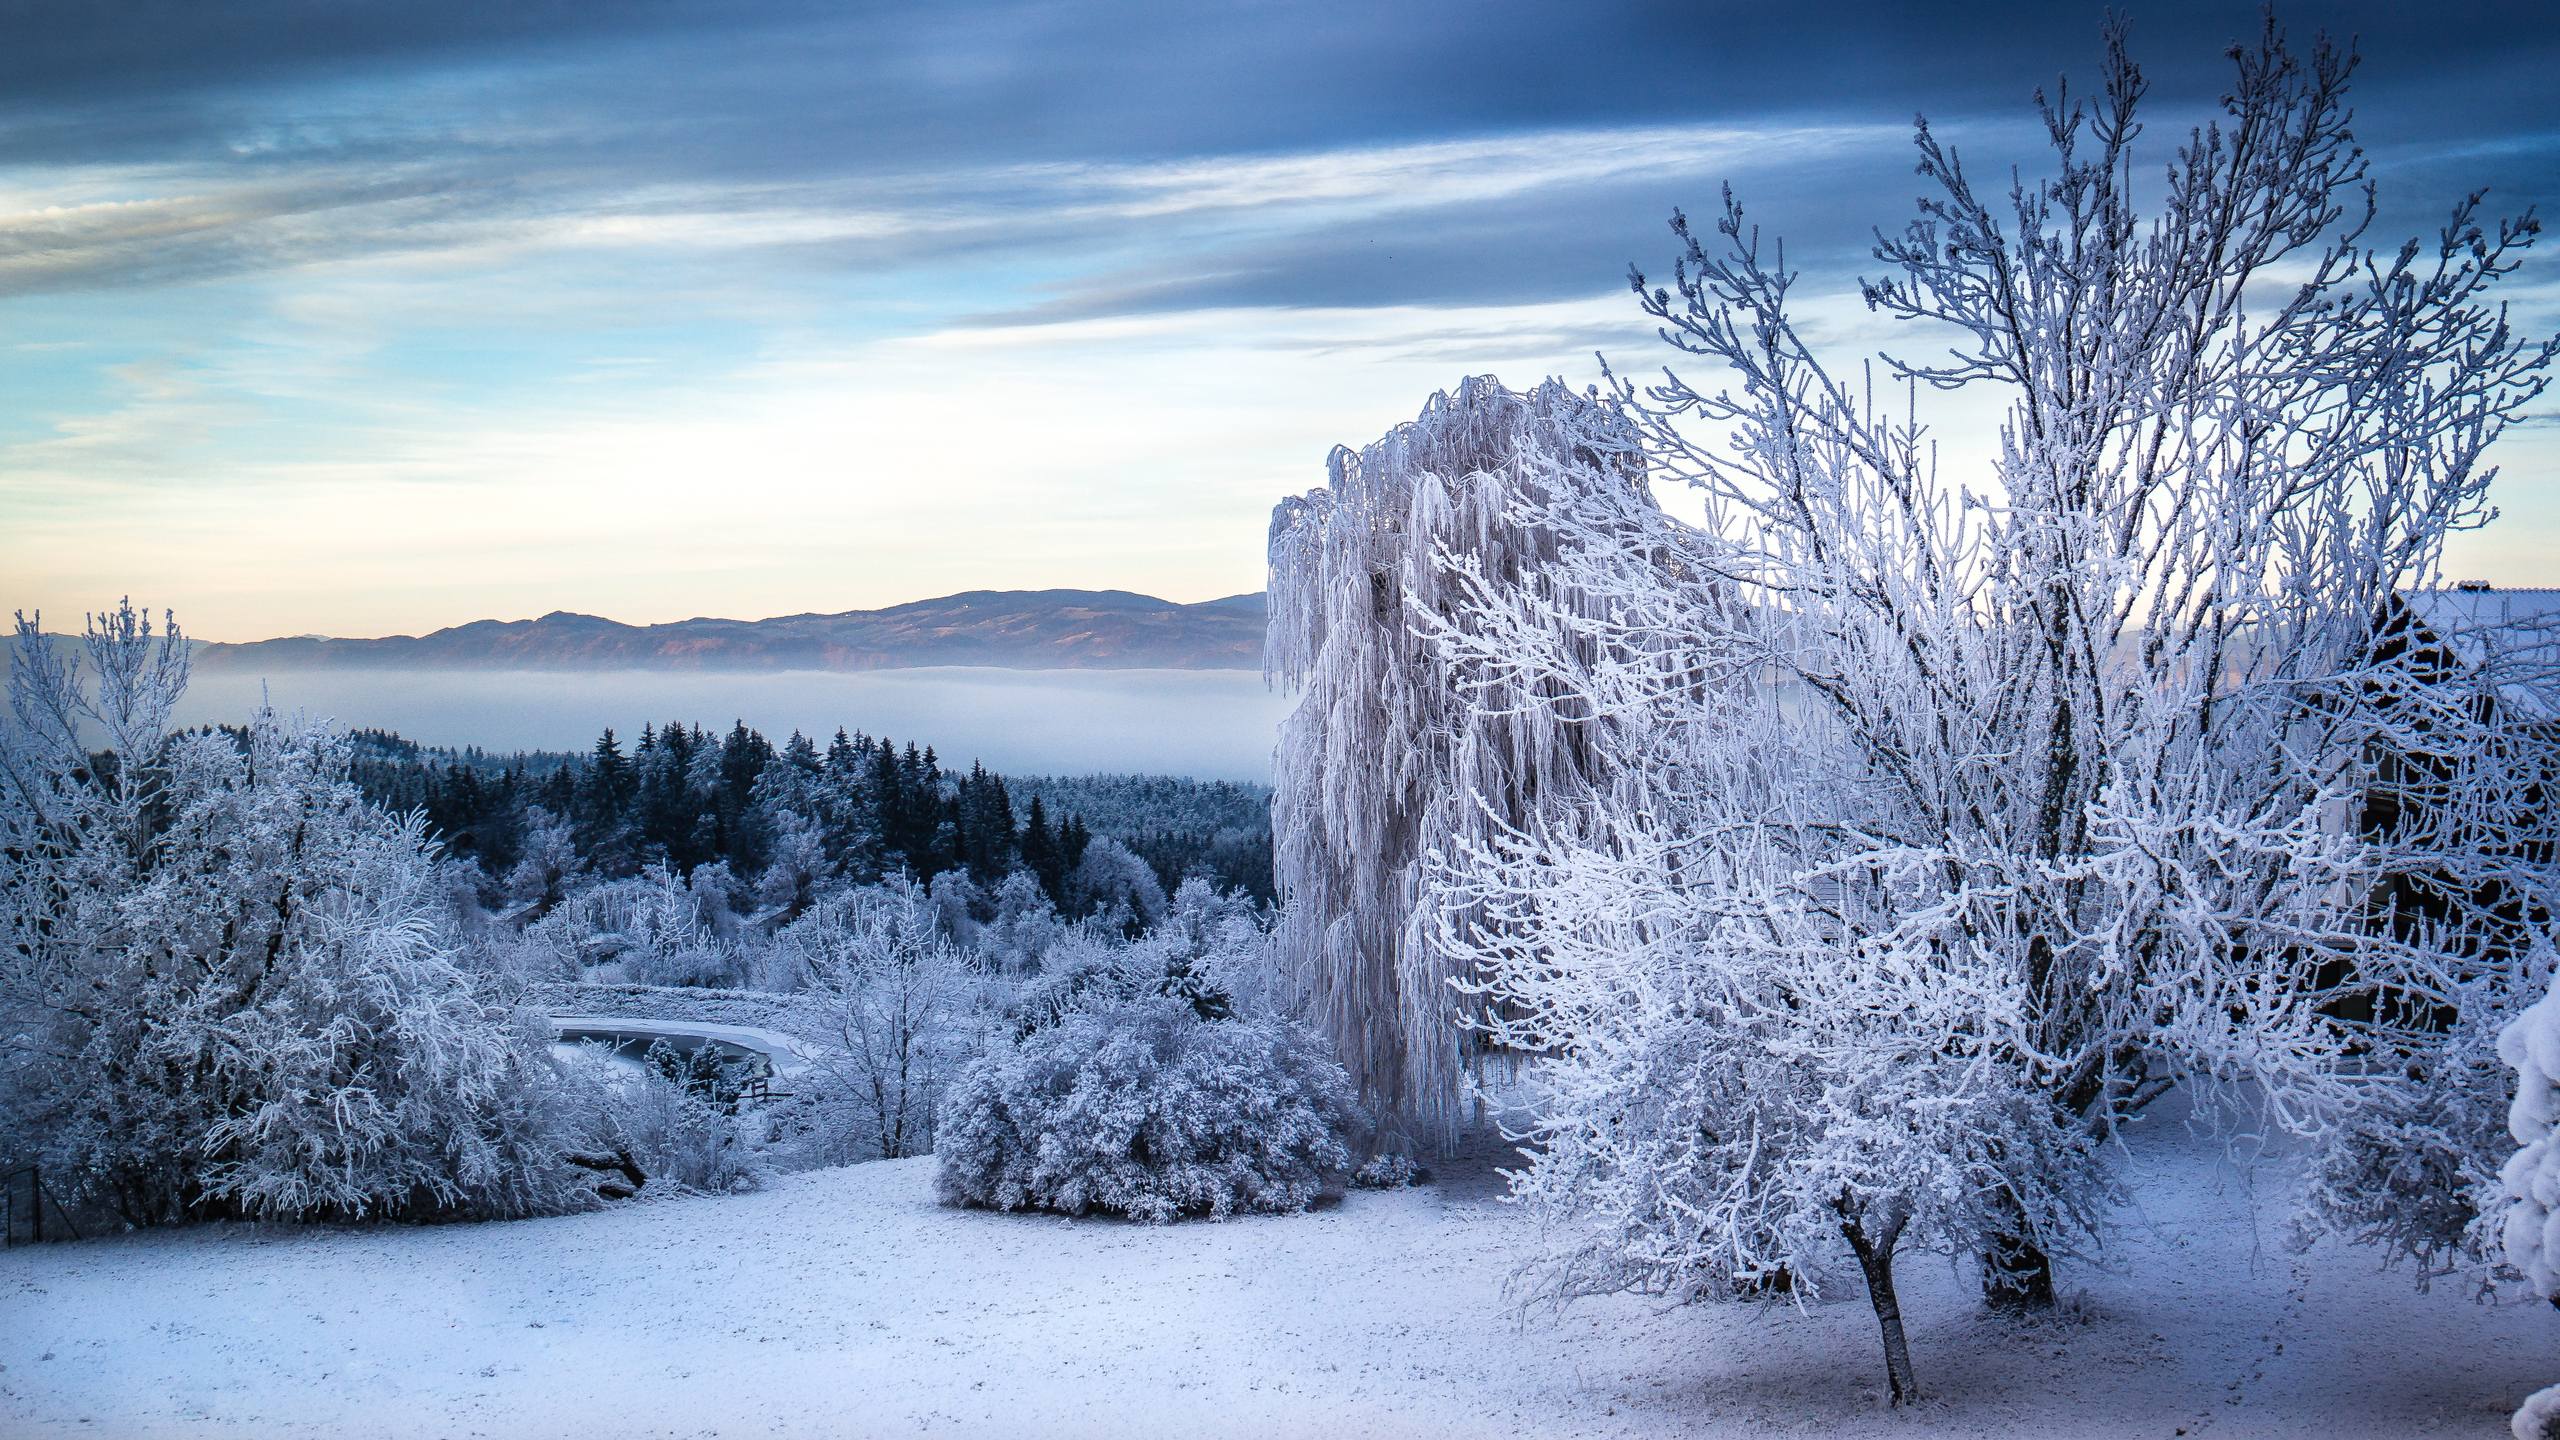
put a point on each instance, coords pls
(1009, 629)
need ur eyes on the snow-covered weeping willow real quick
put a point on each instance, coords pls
(1383, 760)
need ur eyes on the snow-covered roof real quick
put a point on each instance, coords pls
(2508, 638)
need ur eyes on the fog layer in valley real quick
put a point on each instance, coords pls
(1212, 724)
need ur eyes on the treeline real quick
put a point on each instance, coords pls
(797, 815)
(1176, 825)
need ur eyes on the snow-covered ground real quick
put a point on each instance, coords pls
(845, 1302)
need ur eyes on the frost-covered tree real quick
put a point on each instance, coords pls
(672, 936)
(798, 862)
(1024, 927)
(2078, 739)
(1380, 762)
(890, 1004)
(224, 979)
(550, 862)
(1112, 883)
(1215, 941)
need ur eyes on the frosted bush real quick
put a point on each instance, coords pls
(1090, 970)
(2414, 1171)
(231, 985)
(1082, 972)
(1144, 1109)
(2539, 1419)
(1024, 927)
(590, 926)
(1113, 882)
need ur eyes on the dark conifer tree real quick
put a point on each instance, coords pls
(604, 809)
(1039, 850)
(559, 793)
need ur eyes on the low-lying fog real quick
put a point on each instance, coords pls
(1213, 724)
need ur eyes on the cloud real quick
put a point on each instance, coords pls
(1479, 220)
(1138, 451)
(376, 316)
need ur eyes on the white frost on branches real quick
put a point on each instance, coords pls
(1974, 812)
(225, 984)
(1380, 762)
(893, 1010)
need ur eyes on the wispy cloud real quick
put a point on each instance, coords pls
(159, 225)
(376, 317)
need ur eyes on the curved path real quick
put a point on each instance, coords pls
(784, 1054)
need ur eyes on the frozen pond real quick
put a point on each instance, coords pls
(1213, 724)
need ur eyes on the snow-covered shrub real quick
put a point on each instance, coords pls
(770, 965)
(797, 865)
(963, 905)
(1144, 1109)
(2539, 1417)
(707, 964)
(548, 863)
(1217, 945)
(590, 925)
(1024, 926)
(514, 962)
(717, 894)
(2530, 1179)
(1093, 968)
(227, 979)
(657, 926)
(2414, 1170)
(1083, 971)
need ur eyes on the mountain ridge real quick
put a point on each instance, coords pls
(1002, 629)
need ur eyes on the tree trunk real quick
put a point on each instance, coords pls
(619, 1163)
(1875, 1258)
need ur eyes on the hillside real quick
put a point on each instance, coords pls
(1009, 629)
(847, 1303)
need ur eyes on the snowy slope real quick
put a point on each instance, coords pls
(846, 1303)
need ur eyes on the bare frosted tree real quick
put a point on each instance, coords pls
(1380, 762)
(2067, 761)
(890, 1006)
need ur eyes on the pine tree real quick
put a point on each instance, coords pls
(1040, 854)
(604, 807)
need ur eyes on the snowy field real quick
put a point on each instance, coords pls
(845, 1302)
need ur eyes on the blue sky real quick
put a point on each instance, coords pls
(366, 318)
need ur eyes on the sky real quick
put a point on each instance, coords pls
(356, 318)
